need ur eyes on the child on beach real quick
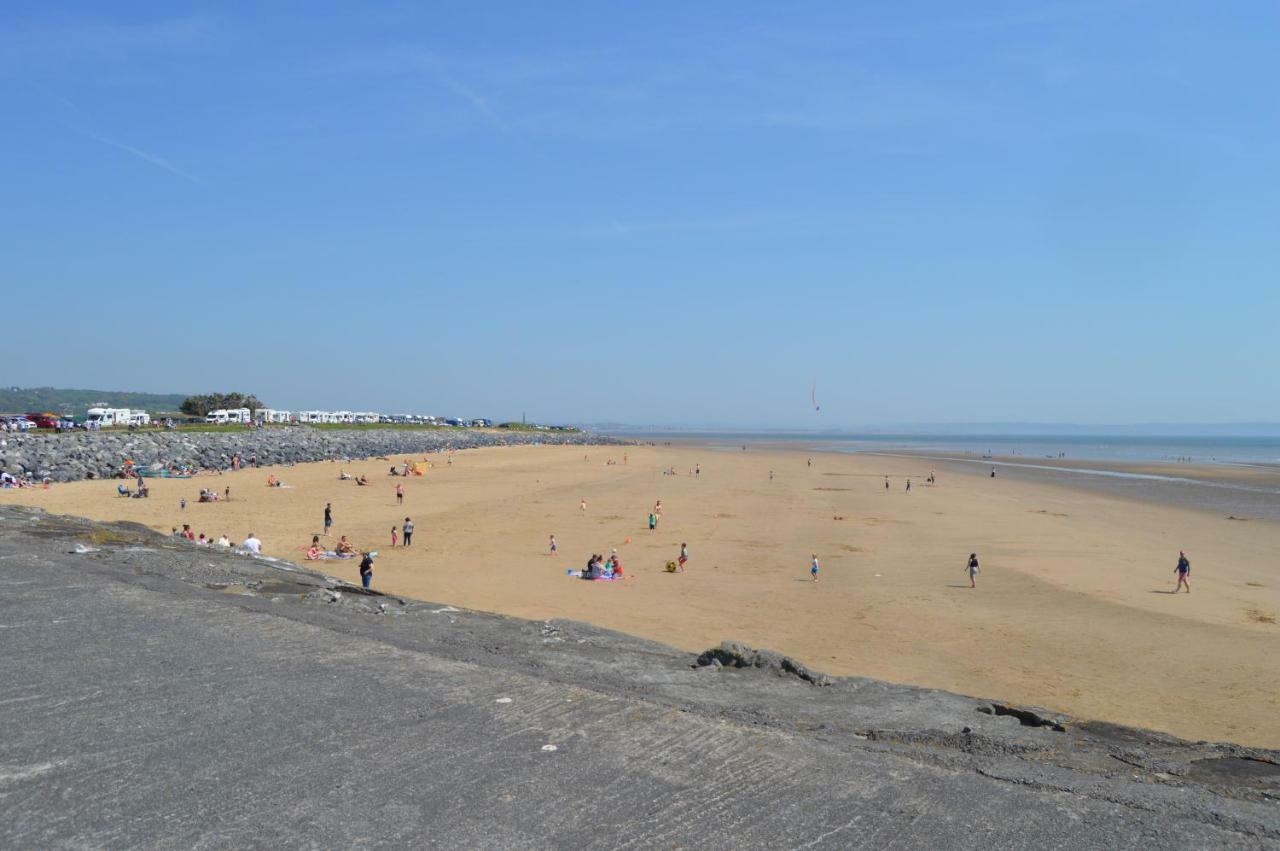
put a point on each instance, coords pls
(972, 567)
(684, 556)
(813, 568)
(1184, 573)
(553, 546)
(394, 538)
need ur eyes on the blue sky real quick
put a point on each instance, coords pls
(671, 213)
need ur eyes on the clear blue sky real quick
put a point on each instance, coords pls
(675, 213)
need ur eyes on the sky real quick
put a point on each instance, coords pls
(660, 213)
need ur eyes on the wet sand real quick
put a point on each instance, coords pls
(1072, 612)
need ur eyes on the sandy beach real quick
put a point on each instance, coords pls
(1073, 609)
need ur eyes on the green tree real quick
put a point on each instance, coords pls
(200, 406)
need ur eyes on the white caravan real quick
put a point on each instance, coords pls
(104, 417)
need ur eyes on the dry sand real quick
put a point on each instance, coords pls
(1072, 610)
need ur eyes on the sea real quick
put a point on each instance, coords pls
(1258, 499)
(1131, 448)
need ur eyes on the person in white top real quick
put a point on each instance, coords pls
(224, 541)
(252, 544)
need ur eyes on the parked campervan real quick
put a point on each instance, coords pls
(104, 417)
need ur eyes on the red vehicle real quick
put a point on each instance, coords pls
(45, 420)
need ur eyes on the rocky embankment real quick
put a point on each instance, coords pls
(89, 455)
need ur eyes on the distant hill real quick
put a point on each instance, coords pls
(20, 400)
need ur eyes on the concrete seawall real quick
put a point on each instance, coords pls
(80, 455)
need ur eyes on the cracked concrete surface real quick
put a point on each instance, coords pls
(160, 694)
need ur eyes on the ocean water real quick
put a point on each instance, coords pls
(1200, 450)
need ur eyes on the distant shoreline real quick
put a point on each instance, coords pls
(1240, 490)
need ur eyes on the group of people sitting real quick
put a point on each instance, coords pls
(208, 494)
(598, 567)
(342, 549)
(9, 480)
(187, 534)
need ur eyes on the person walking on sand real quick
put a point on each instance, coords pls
(394, 537)
(653, 522)
(684, 556)
(697, 470)
(583, 506)
(771, 475)
(407, 529)
(972, 567)
(399, 494)
(328, 518)
(1184, 573)
(814, 568)
(908, 486)
(886, 482)
(657, 508)
(554, 548)
(366, 570)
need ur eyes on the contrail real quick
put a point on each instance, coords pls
(158, 162)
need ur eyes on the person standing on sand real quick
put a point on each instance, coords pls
(697, 470)
(366, 570)
(771, 475)
(554, 548)
(657, 508)
(227, 494)
(584, 506)
(399, 494)
(328, 518)
(394, 539)
(653, 522)
(814, 568)
(808, 462)
(908, 486)
(684, 556)
(972, 567)
(1184, 572)
(886, 482)
(407, 529)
